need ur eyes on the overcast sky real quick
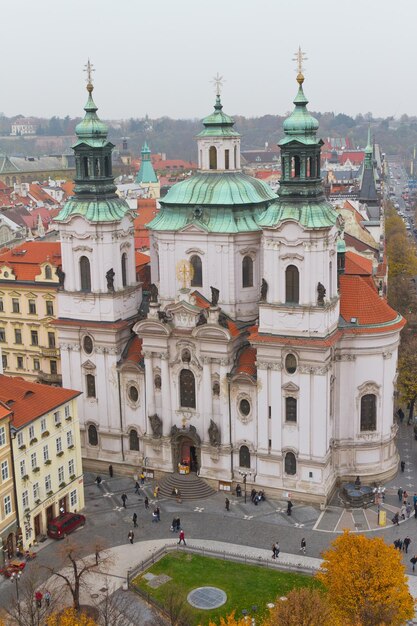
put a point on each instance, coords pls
(157, 57)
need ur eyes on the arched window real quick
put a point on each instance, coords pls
(235, 157)
(92, 435)
(318, 166)
(124, 269)
(133, 440)
(97, 168)
(107, 166)
(244, 456)
(290, 464)
(292, 288)
(196, 264)
(226, 159)
(290, 409)
(86, 173)
(48, 272)
(247, 272)
(368, 412)
(187, 389)
(85, 274)
(297, 167)
(90, 382)
(213, 158)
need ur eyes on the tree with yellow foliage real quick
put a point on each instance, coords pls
(231, 620)
(303, 607)
(70, 617)
(366, 583)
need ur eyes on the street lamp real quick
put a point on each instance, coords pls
(244, 476)
(15, 577)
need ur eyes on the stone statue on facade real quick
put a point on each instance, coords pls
(222, 320)
(154, 292)
(264, 290)
(156, 425)
(202, 319)
(61, 276)
(214, 434)
(163, 317)
(215, 293)
(110, 274)
(321, 292)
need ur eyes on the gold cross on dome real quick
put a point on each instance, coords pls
(218, 83)
(89, 69)
(299, 57)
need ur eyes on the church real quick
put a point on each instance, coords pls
(259, 352)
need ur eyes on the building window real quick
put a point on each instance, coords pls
(290, 364)
(45, 453)
(213, 158)
(133, 440)
(71, 467)
(290, 464)
(31, 432)
(33, 460)
(15, 305)
(226, 159)
(35, 488)
(157, 382)
(36, 365)
(58, 443)
(244, 407)
(48, 272)
(17, 335)
(34, 337)
(247, 272)
(61, 474)
(2, 435)
(2, 334)
(49, 308)
(85, 167)
(187, 389)
(53, 367)
(32, 307)
(292, 289)
(22, 468)
(25, 499)
(19, 362)
(1, 305)
(69, 438)
(124, 269)
(196, 264)
(92, 435)
(133, 393)
(67, 411)
(91, 386)
(48, 483)
(4, 470)
(73, 498)
(85, 274)
(88, 344)
(57, 418)
(244, 456)
(19, 439)
(7, 505)
(43, 424)
(4, 361)
(368, 412)
(51, 340)
(290, 410)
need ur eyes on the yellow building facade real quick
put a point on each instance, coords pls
(28, 308)
(8, 520)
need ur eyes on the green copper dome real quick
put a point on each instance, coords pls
(300, 125)
(146, 173)
(91, 129)
(218, 124)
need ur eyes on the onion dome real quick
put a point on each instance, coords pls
(300, 123)
(91, 128)
(218, 124)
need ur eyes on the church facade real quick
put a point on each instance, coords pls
(257, 354)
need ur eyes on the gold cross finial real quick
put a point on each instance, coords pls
(218, 83)
(300, 57)
(89, 69)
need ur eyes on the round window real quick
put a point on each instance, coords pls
(244, 407)
(290, 363)
(133, 393)
(88, 344)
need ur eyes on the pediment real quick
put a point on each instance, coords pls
(88, 365)
(193, 228)
(290, 387)
(184, 314)
(151, 327)
(211, 331)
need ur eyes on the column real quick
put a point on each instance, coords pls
(207, 408)
(166, 395)
(224, 401)
(150, 397)
(262, 408)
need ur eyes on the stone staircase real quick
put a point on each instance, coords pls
(191, 486)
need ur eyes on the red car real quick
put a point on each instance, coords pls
(64, 524)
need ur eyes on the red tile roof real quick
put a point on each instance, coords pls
(40, 195)
(356, 157)
(141, 259)
(357, 264)
(147, 210)
(327, 342)
(359, 299)
(134, 352)
(29, 401)
(4, 411)
(246, 363)
(68, 187)
(26, 258)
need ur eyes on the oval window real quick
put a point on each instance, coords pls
(290, 363)
(133, 393)
(88, 344)
(244, 407)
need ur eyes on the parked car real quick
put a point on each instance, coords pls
(64, 524)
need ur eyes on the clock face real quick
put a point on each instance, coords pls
(185, 272)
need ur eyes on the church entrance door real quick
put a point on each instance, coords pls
(186, 449)
(189, 455)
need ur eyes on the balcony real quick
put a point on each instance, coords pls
(50, 353)
(49, 379)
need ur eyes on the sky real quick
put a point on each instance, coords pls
(158, 57)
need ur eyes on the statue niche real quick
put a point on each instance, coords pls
(156, 425)
(214, 434)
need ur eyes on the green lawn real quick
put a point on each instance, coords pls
(245, 585)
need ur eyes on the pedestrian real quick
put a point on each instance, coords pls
(400, 414)
(408, 510)
(414, 499)
(405, 495)
(402, 511)
(142, 478)
(406, 544)
(38, 598)
(413, 560)
(178, 524)
(97, 555)
(111, 471)
(146, 502)
(158, 514)
(252, 495)
(400, 544)
(396, 543)
(227, 504)
(174, 525)
(276, 549)
(135, 520)
(130, 536)
(289, 507)
(156, 492)
(137, 487)
(154, 516)
(400, 494)
(415, 510)
(303, 546)
(47, 597)
(238, 490)
(273, 550)
(402, 465)
(124, 498)
(396, 519)
(98, 480)
(182, 538)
